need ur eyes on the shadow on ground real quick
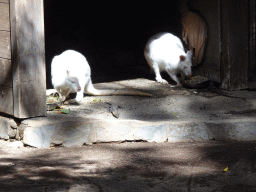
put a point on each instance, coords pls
(132, 167)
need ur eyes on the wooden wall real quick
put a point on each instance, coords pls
(226, 58)
(28, 58)
(235, 44)
(210, 12)
(252, 48)
(22, 58)
(6, 86)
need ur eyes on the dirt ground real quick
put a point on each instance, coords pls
(140, 166)
(166, 103)
(130, 166)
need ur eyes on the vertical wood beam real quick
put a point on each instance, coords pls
(234, 37)
(28, 58)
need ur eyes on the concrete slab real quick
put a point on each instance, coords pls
(171, 115)
(79, 132)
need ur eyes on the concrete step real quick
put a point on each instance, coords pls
(170, 115)
(42, 132)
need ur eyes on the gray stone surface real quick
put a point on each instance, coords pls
(4, 129)
(172, 114)
(70, 133)
(108, 131)
(152, 133)
(39, 137)
(77, 132)
(8, 128)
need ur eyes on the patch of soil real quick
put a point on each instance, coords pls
(130, 166)
(166, 103)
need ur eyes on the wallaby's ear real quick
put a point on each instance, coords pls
(67, 73)
(182, 58)
(189, 54)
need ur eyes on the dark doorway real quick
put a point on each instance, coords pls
(112, 36)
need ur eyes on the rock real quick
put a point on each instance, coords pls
(39, 137)
(8, 128)
(186, 132)
(12, 124)
(73, 135)
(108, 131)
(11, 132)
(4, 125)
(69, 134)
(152, 133)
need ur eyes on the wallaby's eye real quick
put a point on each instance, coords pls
(73, 82)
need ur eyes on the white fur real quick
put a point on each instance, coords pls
(71, 72)
(163, 53)
(78, 69)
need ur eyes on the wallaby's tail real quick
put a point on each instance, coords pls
(119, 92)
(92, 91)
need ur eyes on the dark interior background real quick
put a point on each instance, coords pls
(112, 36)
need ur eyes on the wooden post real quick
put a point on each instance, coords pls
(210, 13)
(28, 58)
(234, 37)
(6, 90)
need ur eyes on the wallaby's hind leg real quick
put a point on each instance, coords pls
(174, 77)
(86, 87)
(83, 81)
(80, 94)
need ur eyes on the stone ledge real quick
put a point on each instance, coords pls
(80, 131)
(8, 128)
(44, 131)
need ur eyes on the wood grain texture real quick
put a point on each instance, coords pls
(209, 11)
(5, 47)
(5, 72)
(6, 100)
(4, 1)
(234, 30)
(28, 58)
(4, 17)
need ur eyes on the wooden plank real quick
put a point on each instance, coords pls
(28, 58)
(4, 1)
(238, 18)
(211, 74)
(6, 100)
(225, 56)
(4, 17)
(209, 11)
(5, 72)
(234, 65)
(5, 48)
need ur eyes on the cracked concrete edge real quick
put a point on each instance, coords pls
(41, 132)
(77, 133)
(203, 131)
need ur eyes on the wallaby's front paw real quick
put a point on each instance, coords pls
(63, 98)
(162, 81)
(79, 98)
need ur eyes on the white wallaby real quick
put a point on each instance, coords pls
(165, 52)
(71, 73)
